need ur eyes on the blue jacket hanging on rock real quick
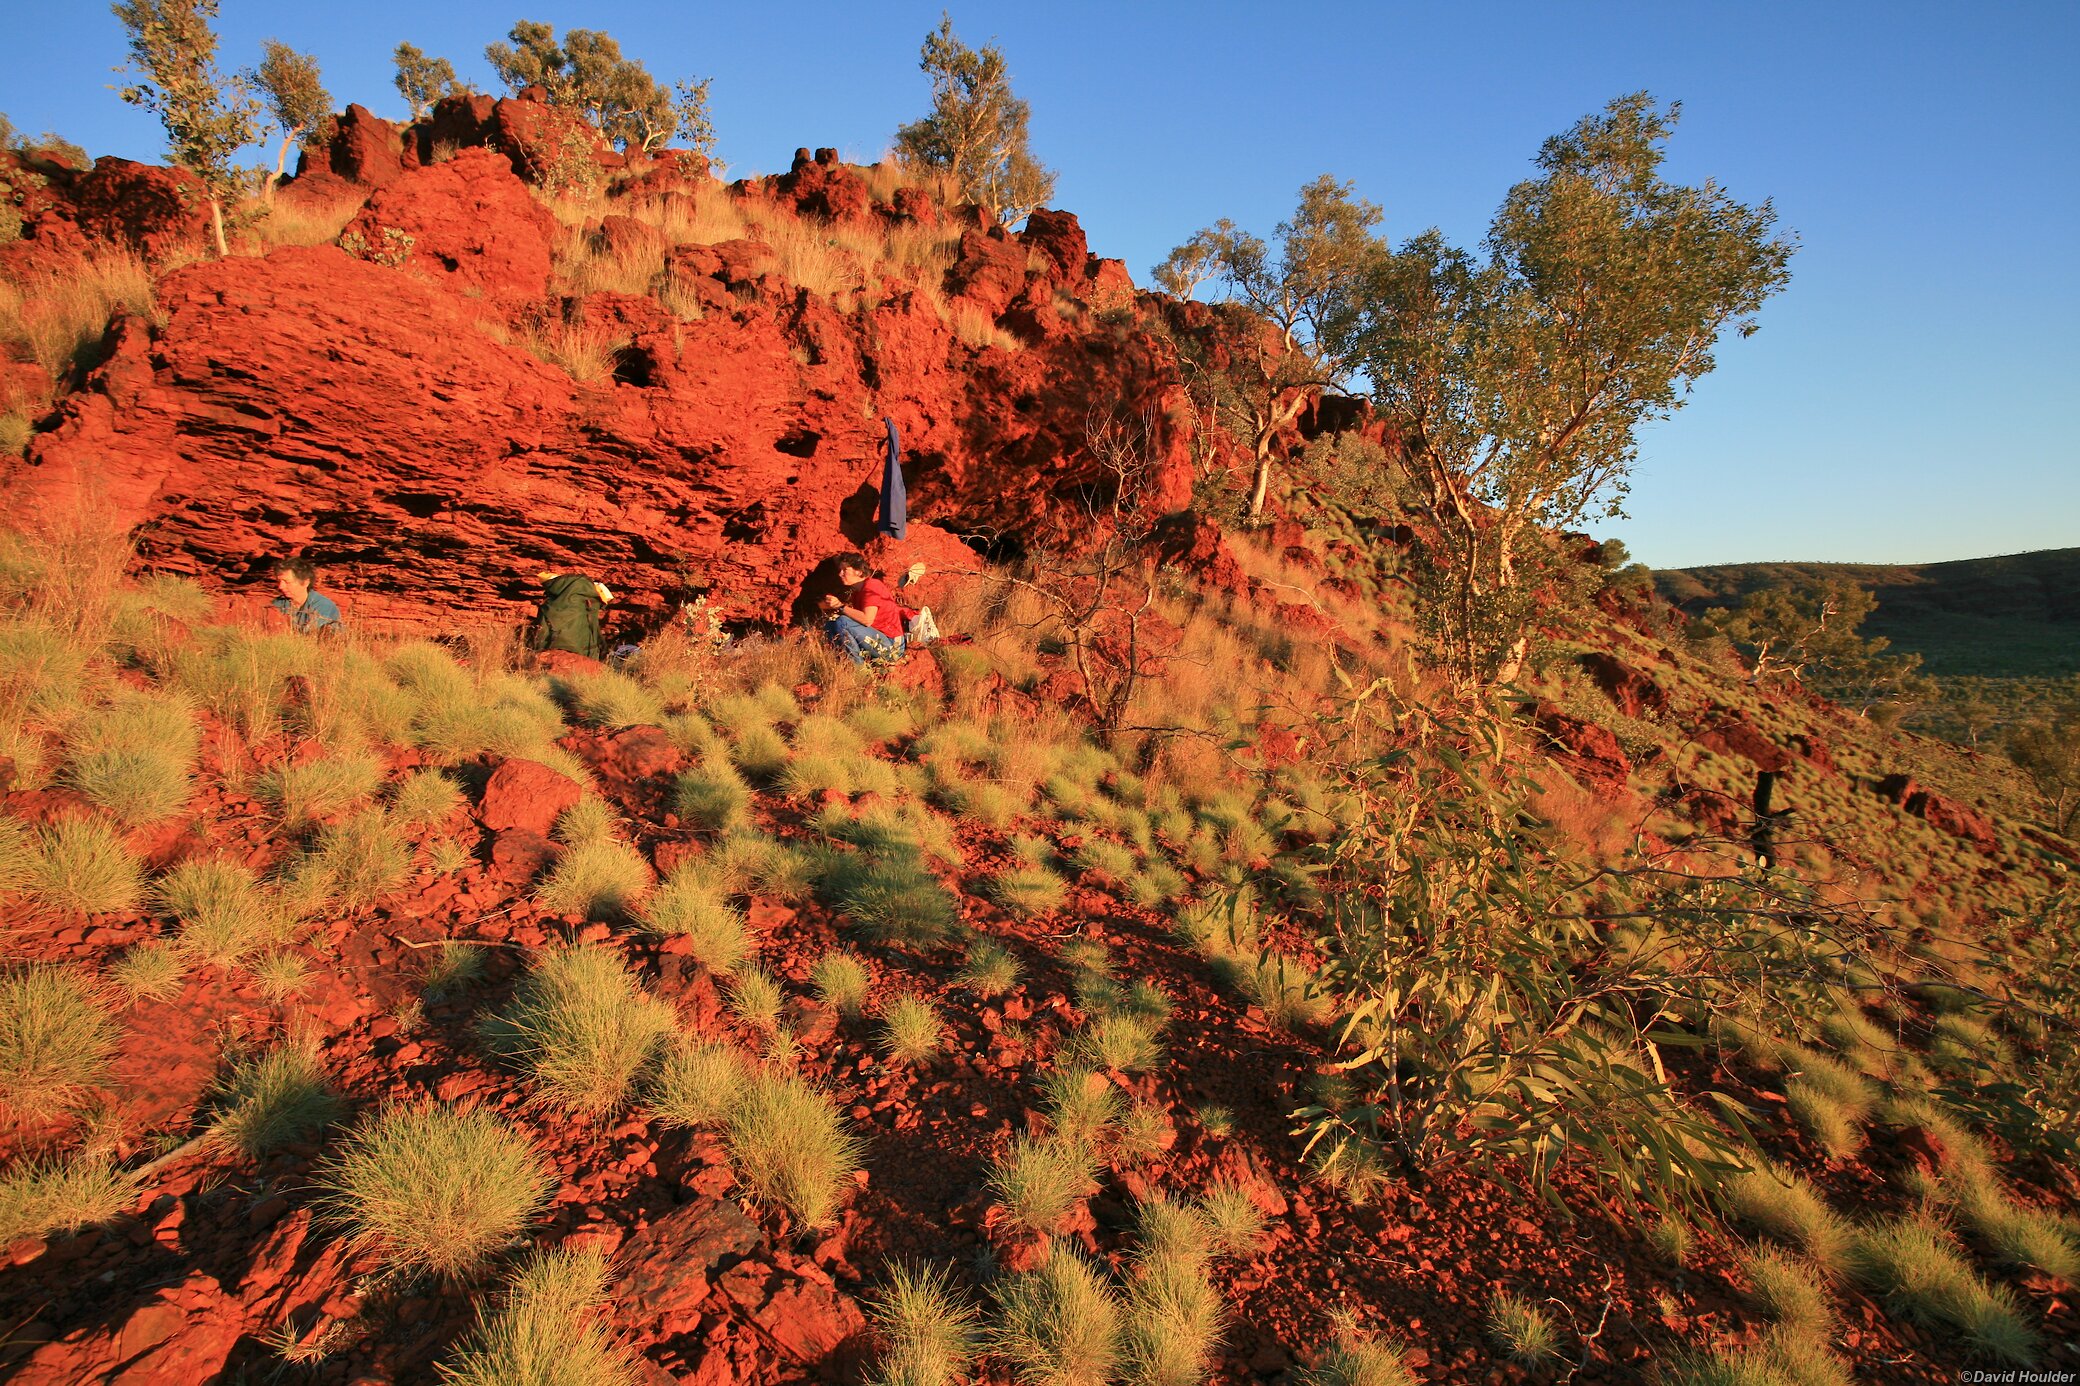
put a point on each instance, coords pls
(893, 521)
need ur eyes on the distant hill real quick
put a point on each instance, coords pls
(2015, 616)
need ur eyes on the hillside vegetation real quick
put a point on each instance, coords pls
(1270, 939)
(2016, 616)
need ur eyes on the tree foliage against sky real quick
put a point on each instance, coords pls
(976, 132)
(1306, 288)
(1520, 378)
(297, 101)
(208, 117)
(423, 80)
(587, 73)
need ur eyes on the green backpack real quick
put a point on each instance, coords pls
(568, 618)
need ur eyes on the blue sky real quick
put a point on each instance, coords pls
(1906, 400)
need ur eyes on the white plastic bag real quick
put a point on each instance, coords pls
(923, 629)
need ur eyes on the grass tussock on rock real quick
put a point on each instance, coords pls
(56, 1039)
(544, 1326)
(435, 1189)
(582, 1028)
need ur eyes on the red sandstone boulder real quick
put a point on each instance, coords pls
(676, 173)
(744, 261)
(526, 795)
(549, 144)
(989, 272)
(665, 1269)
(183, 1332)
(1729, 735)
(388, 421)
(1589, 751)
(1813, 751)
(825, 189)
(1939, 811)
(152, 210)
(1959, 820)
(1194, 543)
(365, 149)
(1634, 693)
(468, 219)
(635, 754)
(1059, 237)
(629, 240)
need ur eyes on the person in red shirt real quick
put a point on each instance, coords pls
(866, 622)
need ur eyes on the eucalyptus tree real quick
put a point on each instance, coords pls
(297, 101)
(208, 117)
(1305, 290)
(1519, 378)
(977, 130)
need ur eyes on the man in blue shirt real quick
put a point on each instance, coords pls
(309, 612)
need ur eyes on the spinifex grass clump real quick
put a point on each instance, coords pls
(610, 698)
(1122, 1041)
(1914, 1265)
(1232, 1217)
(1831, 1100)
(322, 789)
(1027, 891)
(712, 796)
(1058, 1324)
(82, 867)
(582, 1027)
(1788, 1289)
(435, 1189)
(275, 1098)
(692, 906)
(756, 999)
(1357, 1358)
(545, 1328)
(911, 1030)
(1081, 1106)
(1781, 1205)
(40, 1197)
(597, 875)
(789, 1146)
(1173, 1317)
(357, 861)
(55, 1040)
(224, 911)
(423, 799)
(929, 1327)
(990, 969)
(842, 982)
(1038, 1181)
(150, 970)
(1522, 1331)
(135, 756)
(451, 969)
(894, 900)
(699, 1082)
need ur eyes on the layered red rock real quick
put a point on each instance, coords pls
(383, 412)
(468, 220)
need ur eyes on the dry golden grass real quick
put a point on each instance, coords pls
(297, 221)
(587, 268)
(61, 318)
(585, 351)
(56, 1039)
